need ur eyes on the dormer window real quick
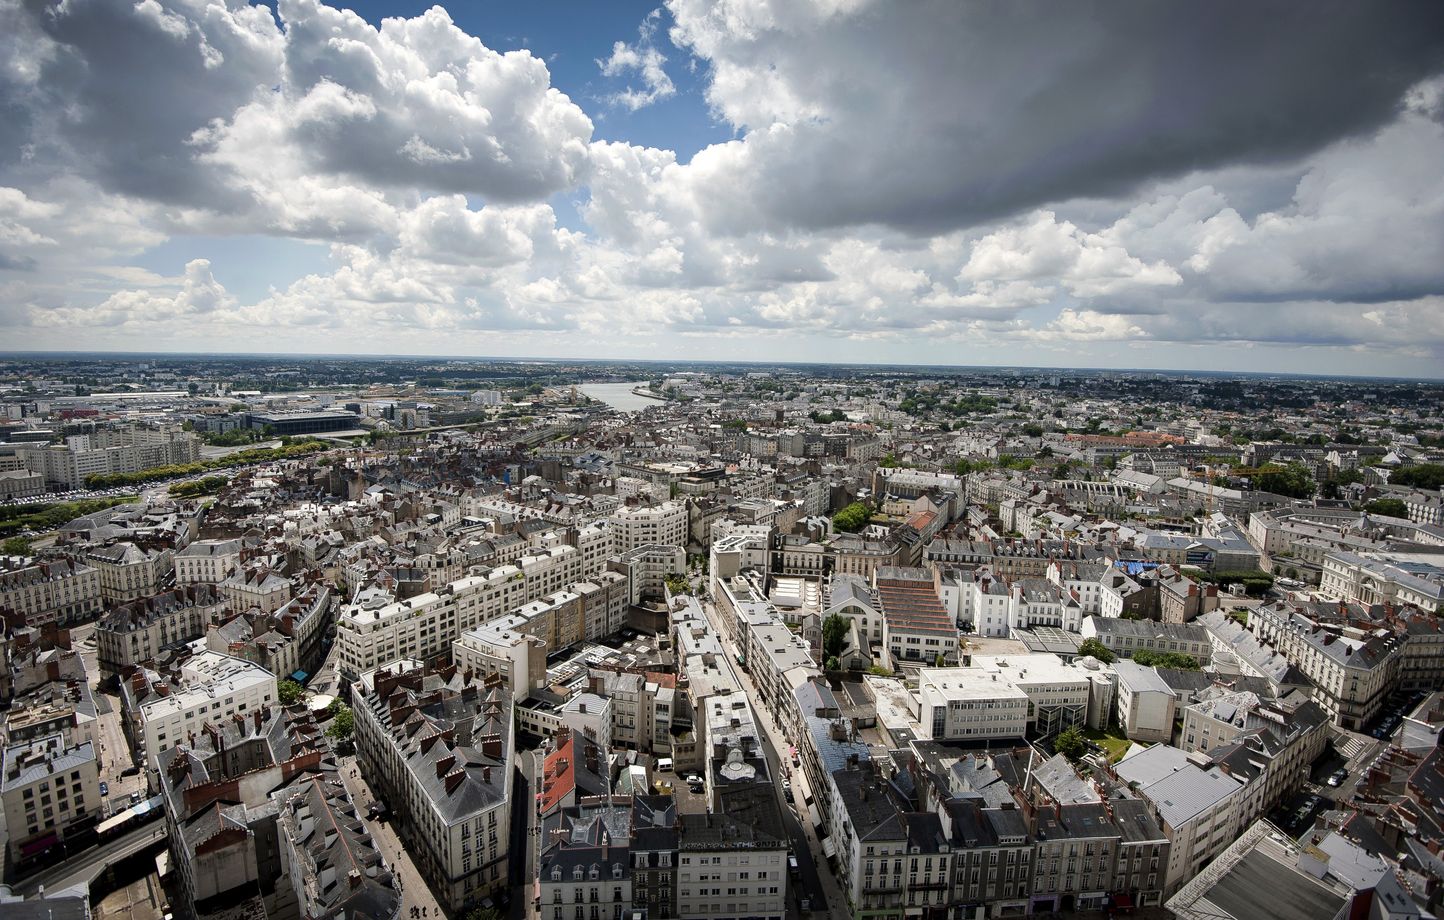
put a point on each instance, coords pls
(556, 873)
(577, 874)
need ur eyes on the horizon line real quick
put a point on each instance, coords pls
(17, 353)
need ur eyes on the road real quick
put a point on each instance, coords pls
(414, 890)
(115, 754)
(817, 880)
(532, 763)
(87, 866)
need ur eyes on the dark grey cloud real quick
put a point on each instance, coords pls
(120, 88)
(936, 115)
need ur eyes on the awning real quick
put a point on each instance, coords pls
(298, 676)
(815, 815)
(38, 844)
(1123, 901)
(829, 849)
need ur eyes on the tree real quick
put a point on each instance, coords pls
(483, 913)
(1292, 480)
(1388, 507)
(343, 724)
(15, 546)
(1071, 743)
(834, 635)
(678, 584)
(288, 692)
(1175, 660)
(1423, 476)
(1097, 650)
(852, 518)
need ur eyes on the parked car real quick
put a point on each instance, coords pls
(130, 771)
(1337, 777)
(104, 788)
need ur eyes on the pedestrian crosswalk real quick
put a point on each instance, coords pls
(1350, 746)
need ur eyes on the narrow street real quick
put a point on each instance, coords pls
(817, 879)
(414, 891)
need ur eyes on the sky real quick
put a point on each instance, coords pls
(1253, 186)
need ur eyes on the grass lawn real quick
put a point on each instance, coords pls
(1115, 745)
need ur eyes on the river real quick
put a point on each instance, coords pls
(619, 395)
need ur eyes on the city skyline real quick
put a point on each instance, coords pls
(1130, 185)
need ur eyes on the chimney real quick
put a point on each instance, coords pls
(256, 717)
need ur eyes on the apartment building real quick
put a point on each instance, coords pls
(378, 628)
(1353, 672)
(1197, 804)
(584, 870)
(170, 707)
(66, 707)
(1034, 602)
(258, 587)
(261, 825)
(62, 591)
(1146, 705)
(334, 866)
(647, 568)
(1074, 858)
(519, 659)
(127, 450)
(135, 632)
(664, 524)
(207, 561)
(130, 571)
(1274, 758)
(655, 838)
(992, 857)
(438, 749)
(732, 865)
(287, 642)
(50, 790)
(1182, 599)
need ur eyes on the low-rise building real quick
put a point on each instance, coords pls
(1147, 705)
(970, 704)
(1124, 637)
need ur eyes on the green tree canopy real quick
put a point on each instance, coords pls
(15, 546)
(288, 692)
(1423, 476)
(1176, 660)
(1071, 743)
(852, 518)
(834, 635)
(343, 724)
(1293, 480)
(1388, 507)
(1097, 650)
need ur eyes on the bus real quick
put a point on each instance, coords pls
(123, 822)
